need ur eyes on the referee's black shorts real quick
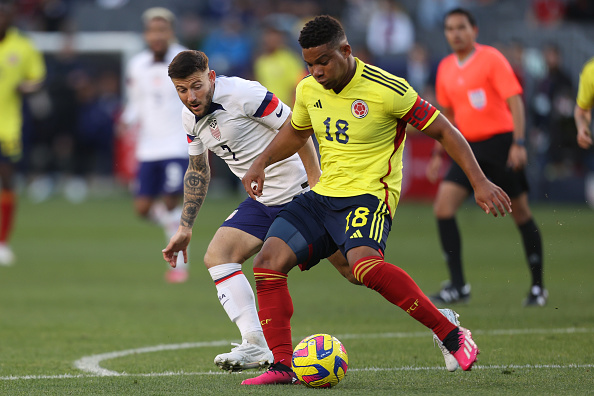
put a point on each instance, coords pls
(491, 155)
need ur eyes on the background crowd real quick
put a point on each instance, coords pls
(74, 147)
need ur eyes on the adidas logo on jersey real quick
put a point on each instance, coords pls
(356, 234)
(318, 104)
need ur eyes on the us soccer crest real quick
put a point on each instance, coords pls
(359, 108)
(214, 129)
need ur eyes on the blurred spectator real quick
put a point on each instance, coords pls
(93, 154)
(430, 13)
(22, 71)
(580, 11)
(390, 35)
(229, 48)
(278, 68)
(419, 70)
(546, 12)
(552, 107)
(52, 150)
(191, 30)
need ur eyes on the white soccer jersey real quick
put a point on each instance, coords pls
(242, 120)
(153, 104)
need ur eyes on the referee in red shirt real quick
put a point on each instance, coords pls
(479, 93)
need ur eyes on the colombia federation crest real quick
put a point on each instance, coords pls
(359, 108)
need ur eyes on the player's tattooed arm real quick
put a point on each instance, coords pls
(196, 183)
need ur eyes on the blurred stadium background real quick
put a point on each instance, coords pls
(71, 147)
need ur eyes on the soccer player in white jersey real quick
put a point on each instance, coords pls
(154, 109)
(236, 119)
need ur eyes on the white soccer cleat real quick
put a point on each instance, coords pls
(6, 255)
(245, 356)
(450, 361)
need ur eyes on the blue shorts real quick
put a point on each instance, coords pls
(315, 226)
(253, 217)
(155, 178)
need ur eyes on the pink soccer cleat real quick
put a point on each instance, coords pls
(177, 275)
(468, 351)
(277, 374)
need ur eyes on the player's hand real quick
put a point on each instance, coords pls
(433, 167)
(491, 198)
(517, 157)
(178, 242)
(253, 181)
(584, 138)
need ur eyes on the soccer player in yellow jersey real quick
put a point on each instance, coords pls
(358, 113)
(21, 71)
(582, 114)
(583, 109)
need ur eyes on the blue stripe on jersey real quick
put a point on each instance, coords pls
(268, 105)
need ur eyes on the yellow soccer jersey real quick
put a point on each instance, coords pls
(361, 131)
(585, 96)
(19, 62)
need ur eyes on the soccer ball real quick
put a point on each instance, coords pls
(320, 361)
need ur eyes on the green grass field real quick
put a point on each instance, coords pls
(89, 285)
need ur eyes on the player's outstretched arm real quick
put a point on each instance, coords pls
(490, 197)
(196, 183)
(311, 163)
(583, 119)
(286, 143)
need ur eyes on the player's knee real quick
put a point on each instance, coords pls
(351, 278)
(210, 260)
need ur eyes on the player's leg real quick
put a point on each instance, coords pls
(240, 237)
(7, 212)
(171, 175)
(450, 196)
(297, 236)
(342, 265)
(226, 253)
(531, 239)
(10, 152)
(364, 230)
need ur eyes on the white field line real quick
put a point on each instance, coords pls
(405, 368)
(92, 368)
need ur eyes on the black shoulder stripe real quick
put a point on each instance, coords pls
(378, 74)
(393, 88)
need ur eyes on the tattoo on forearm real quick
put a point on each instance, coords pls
(196, 183)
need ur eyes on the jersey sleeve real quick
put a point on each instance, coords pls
(263, 105)
(300, 119)
(35, 69)
(585, 96)
(421, 114)
(504, 79)
(195, 145)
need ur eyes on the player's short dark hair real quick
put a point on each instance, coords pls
(461, 11)
(321, 30)
(187, 63)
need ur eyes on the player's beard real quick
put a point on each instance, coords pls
(206, 103)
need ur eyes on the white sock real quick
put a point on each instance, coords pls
(157, 213)
(236, 295)
(170, 223)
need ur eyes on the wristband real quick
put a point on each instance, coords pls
(520, 142)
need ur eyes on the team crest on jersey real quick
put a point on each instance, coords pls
(477, 98)
(359, 108)
(214, 129)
